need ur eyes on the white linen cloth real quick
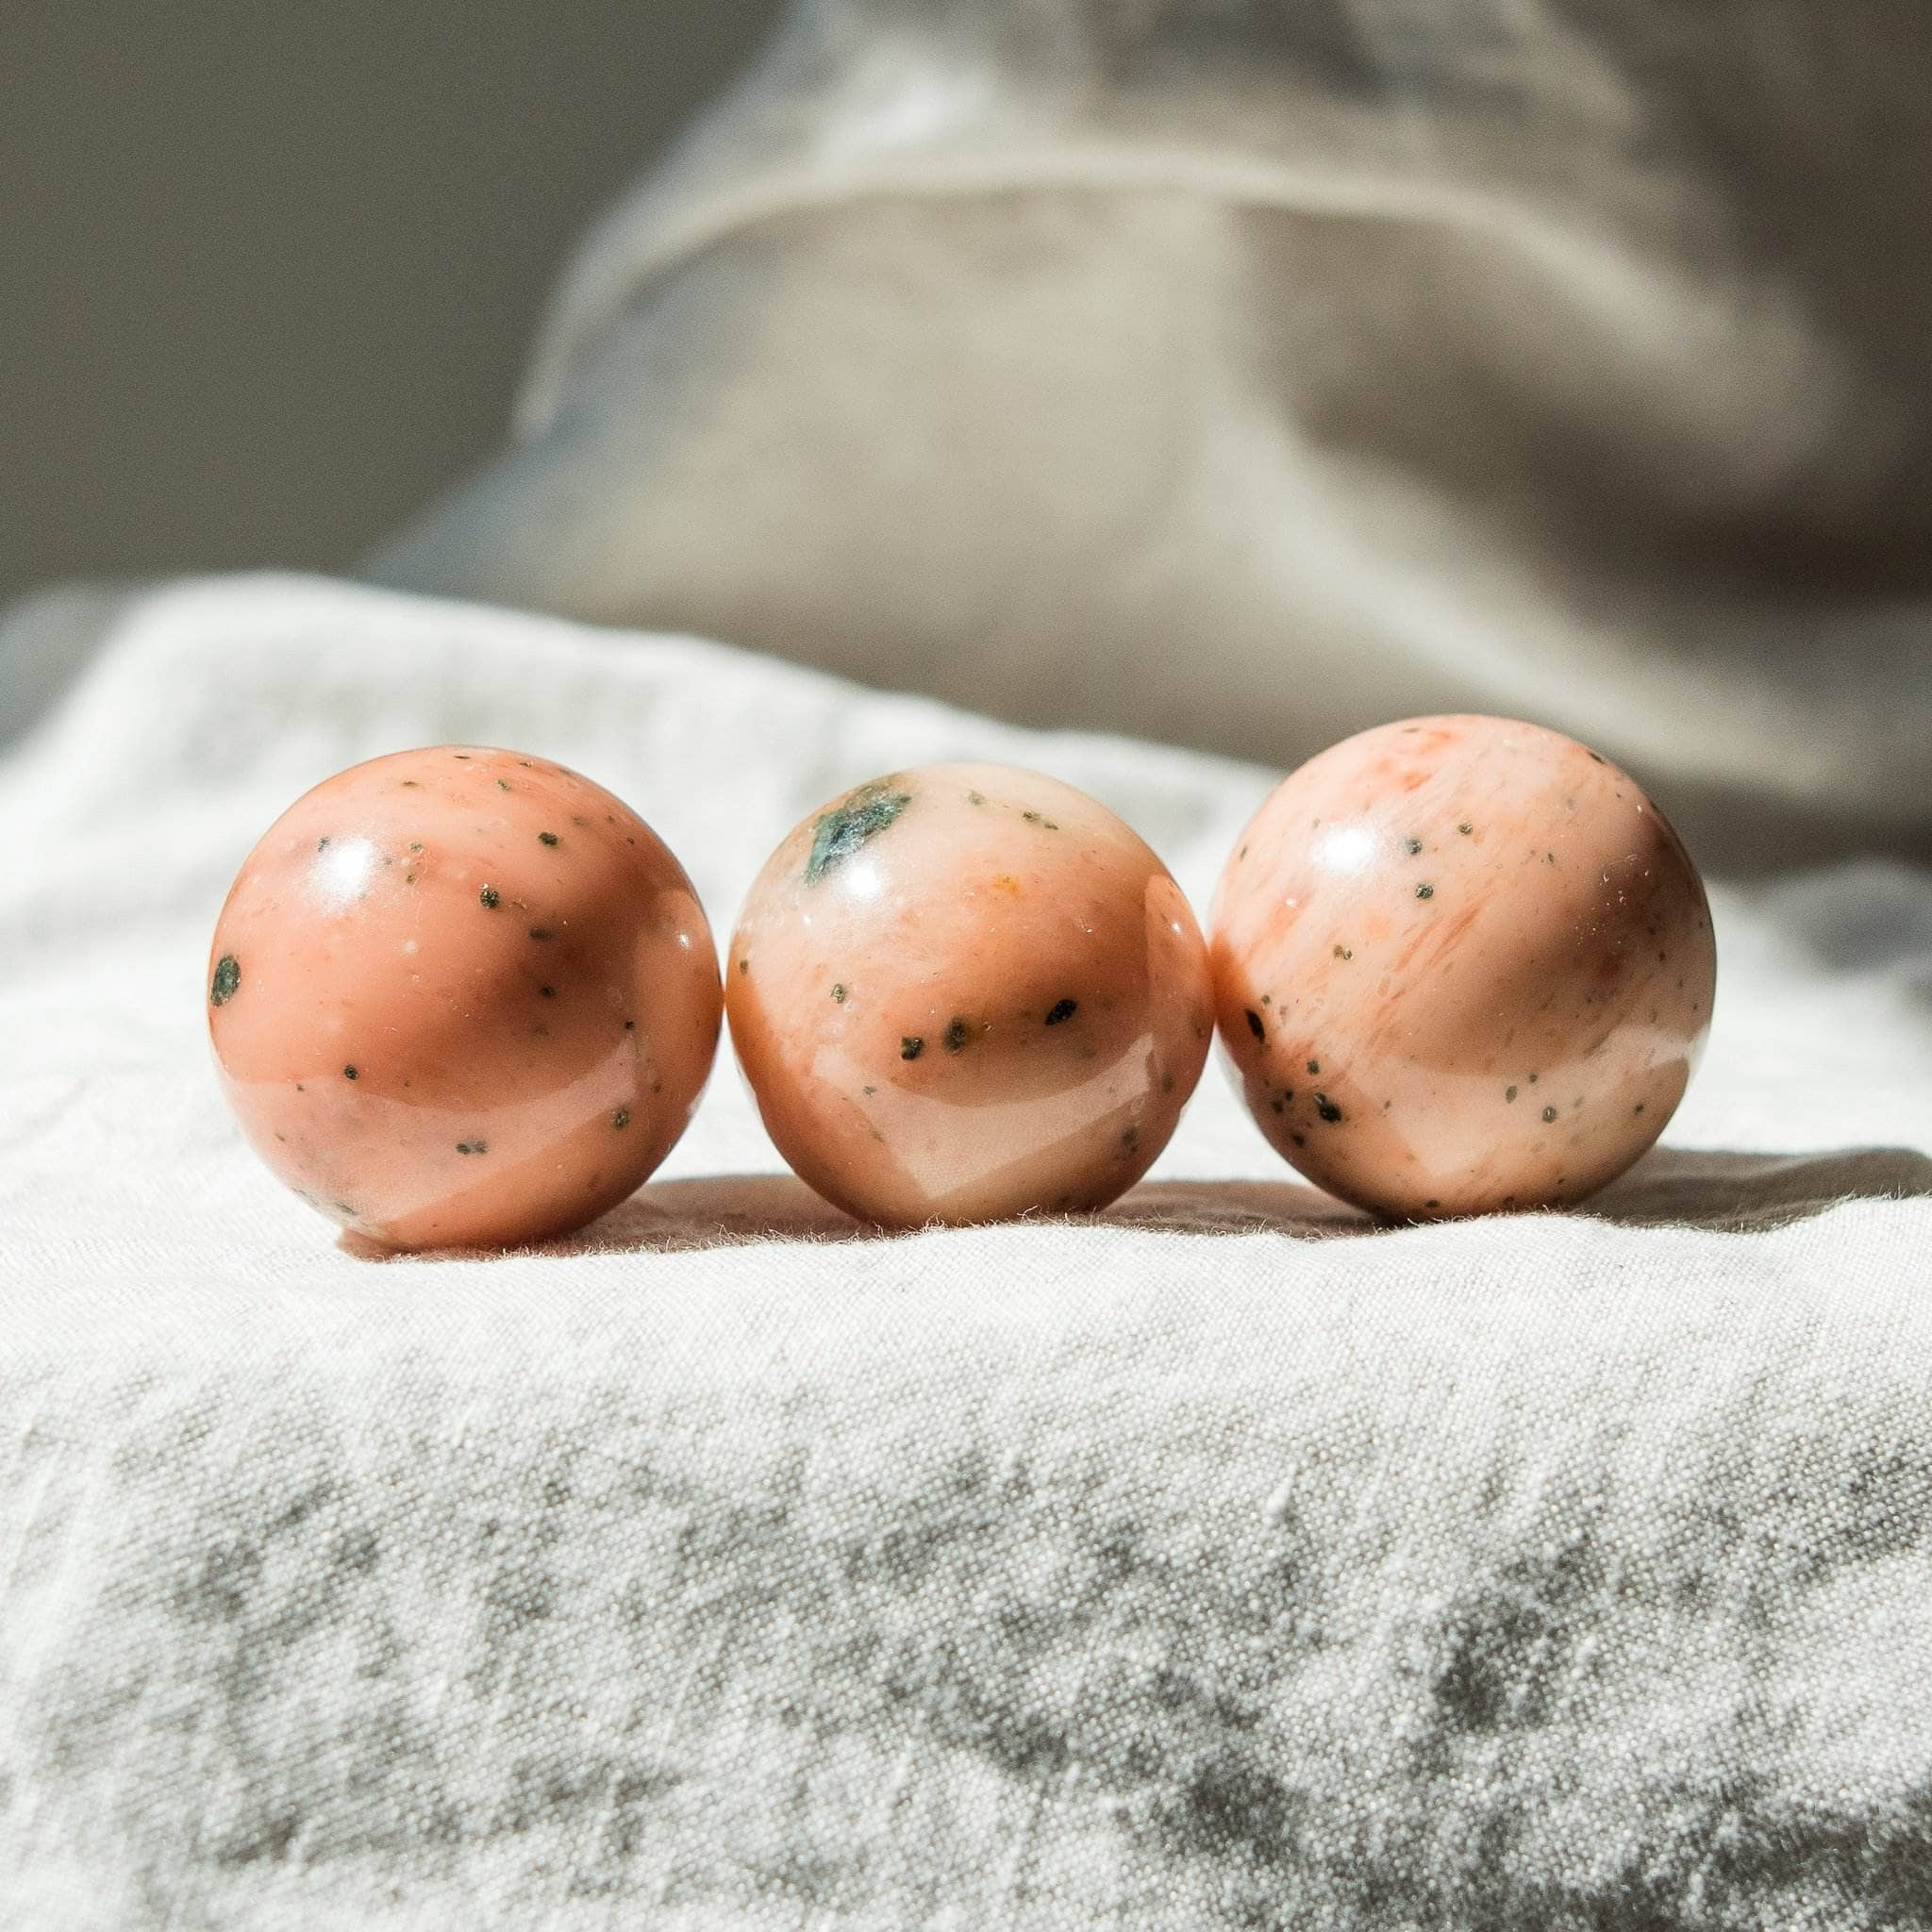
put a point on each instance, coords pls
(1219, 1560)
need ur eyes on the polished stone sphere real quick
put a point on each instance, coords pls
(462, 997)
(967, 991)
(1460, 965)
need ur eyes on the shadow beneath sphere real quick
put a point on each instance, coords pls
(719, 1211)
(1669, 1187)
(1676, 1187)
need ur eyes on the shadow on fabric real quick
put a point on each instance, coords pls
(1670, 1187)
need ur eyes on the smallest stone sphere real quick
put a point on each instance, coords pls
(964, 992)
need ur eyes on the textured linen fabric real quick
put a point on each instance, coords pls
(1222, 1561)
(1243, 373)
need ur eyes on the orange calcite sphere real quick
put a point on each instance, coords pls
(462, 997)
(966, 991)
(1462, 964)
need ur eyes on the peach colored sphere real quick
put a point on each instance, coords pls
(965, 992)
(1462, 964)
(461, 997)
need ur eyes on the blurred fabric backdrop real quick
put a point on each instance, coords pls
(268, 275)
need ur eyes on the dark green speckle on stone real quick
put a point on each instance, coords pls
(349, 1073)
(1549, 1113)
(1425, 891)
(1326, 1108)
(489, 897)
(1060, 1010)
(546, 837)
(910, 1047)
(838, 993)
(227, 977)
(621, 1118)
(842, 831)
(956, 1036)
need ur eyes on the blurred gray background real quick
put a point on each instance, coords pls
(268, 274)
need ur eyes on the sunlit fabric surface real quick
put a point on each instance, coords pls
(1219, 1562)
(1242, 372)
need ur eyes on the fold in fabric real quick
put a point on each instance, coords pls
(1242, 375)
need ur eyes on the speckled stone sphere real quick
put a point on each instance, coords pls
(1462, 964)
(461, 997)
(964, 992)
